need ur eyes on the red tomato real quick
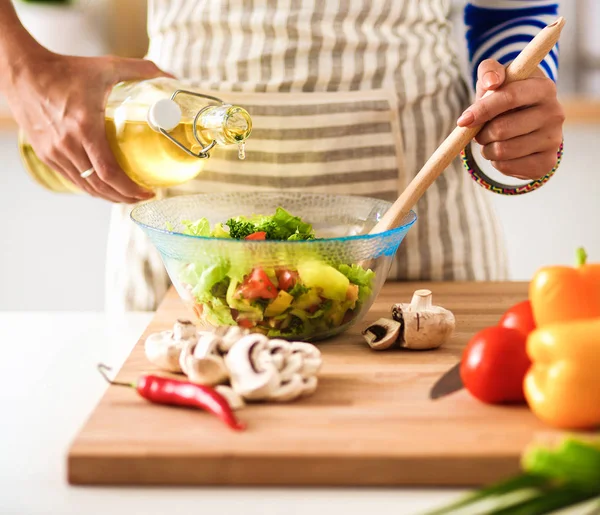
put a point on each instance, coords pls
(286, 279)
(313, 309)
(198, 309)
(257, 286)
(494, 365)
(257, 236)
(519, 317)
(245, 323)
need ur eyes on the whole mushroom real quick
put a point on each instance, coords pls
(419, 325)
(425, 326)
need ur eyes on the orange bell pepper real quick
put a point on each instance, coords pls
(562, 293)
(562, 386)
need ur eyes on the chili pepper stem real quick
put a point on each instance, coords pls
(581, 257)
(103, 369)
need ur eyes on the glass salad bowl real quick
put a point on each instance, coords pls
(300, 289)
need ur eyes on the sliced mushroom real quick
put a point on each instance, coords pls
(310, 386)
(184, 330)
(425, 326)
(164, 348)
(233, 399)
(276, 370)
(202, 364)
(252, 378)
(312, 361)
(228, 335)
(383, 334)
(277, 352)
(292, 366)
(289, 390)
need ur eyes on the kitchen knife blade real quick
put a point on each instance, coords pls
(449, 383)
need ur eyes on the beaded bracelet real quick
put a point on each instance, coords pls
(504, 189)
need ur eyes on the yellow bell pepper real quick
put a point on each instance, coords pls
(562, 386)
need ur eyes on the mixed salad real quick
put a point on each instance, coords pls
(310, 298)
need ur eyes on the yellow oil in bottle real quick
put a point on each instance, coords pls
(41, 173)
(147, 156)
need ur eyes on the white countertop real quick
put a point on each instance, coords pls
(48, 387)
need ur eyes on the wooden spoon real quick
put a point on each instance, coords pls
(521, 68)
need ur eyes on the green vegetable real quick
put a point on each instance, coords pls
(240, 228)
(298, 290)
(572, 461)
(296, 327)
(281, 226)
(285, 226)
(198, 228)
(220, 232)
(218, 313)
(552, 479)
(360, 276)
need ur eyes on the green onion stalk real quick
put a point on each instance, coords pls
(564, 480)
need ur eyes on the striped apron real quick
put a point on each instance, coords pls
(346, 97)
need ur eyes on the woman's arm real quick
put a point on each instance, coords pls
(59, 102)
(523, 120)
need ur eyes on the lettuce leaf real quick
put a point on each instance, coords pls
(289, 227)
(281, 226)
(216, 311)
(361, 277)
(198, 228)
(357, 274)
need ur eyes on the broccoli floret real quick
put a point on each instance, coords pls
(239, 229)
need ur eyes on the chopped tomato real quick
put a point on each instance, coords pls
(286, 279)
(261, 235)
(313, 309)
(198, 309)
(257, 286)
(245, 323)
(352, 292)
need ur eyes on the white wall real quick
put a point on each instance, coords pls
(52, 247)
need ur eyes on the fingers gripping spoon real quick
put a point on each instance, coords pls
(521, 68)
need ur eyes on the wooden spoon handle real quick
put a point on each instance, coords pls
(521, 68)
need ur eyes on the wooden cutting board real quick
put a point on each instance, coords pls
(370, 422)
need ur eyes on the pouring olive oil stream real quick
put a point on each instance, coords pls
(160, 133)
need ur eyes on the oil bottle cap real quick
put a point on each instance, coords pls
(164, 114)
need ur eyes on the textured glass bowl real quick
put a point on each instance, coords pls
(341, 224)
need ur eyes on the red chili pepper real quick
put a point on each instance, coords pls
(163, 390)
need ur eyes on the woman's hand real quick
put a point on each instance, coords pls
(523, 122)
(59, 102)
